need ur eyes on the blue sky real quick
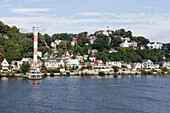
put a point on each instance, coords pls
(148, 18)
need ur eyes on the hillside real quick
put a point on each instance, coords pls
(15, 45)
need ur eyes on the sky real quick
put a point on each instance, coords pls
(148, 18)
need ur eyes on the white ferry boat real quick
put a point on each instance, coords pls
(35, 75)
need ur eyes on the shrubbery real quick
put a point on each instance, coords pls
(101, 73)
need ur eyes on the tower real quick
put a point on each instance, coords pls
(35, 31)
(35, 73)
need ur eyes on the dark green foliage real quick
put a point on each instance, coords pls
(101, 73)
(123, 66)
(61, 73)
(52, 75)
(162, 72)
(108, 73)
(45, 75)
(116, 68)
(101, 43)
(54, 70)
(63, 36)
(67, 73)
(13, 75)
(164, 69)
(25, 67)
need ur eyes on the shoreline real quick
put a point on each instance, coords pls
(80, 73)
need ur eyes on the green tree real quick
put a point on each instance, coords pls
(25, 67)
(116, 68)
(1, 53)
(62, 45)
(123, 66)
(116, 41)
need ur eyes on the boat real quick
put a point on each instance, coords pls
(38, 83)
(35, 75)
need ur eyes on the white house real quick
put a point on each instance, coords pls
(46, 55)
(137, 65)
(165, 64)
(92, 58)
(155, 45)
(74, 41)
(55, 43)
(125, 44)
(39, 53)
(72, 62)
(156, 66)
(80, 58)
(85, 57)
(114, 63)
(5, 65)
(133, 44)
(52, 63)
(112, 50)
(99, 64)
(148, 64)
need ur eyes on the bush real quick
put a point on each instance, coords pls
(18, 71)
(7, 75)
(144, 72)
(67, 73)
(154, 71)
(51, 74)
(0, 75)
(13, 75)
(86, 73)
(82, 74)
(162, 72)
(164, 69)
(108, 73)
(101, 73)
(45, 74)
(150, 73)
(61, 73)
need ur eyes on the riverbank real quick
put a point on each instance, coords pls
(83, 73)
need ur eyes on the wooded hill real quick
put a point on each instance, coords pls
(15, 45)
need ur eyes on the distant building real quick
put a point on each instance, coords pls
(165, 64)
(85, 57)
(125, 44)
(112, 50)
(55, 43)
(148, 64)
(5, 65)
(133, 44)
(142, 47)
(107, 33)
(72, 63)
(92, 59)
(155, 45)
(80, 58)
(74, 41)
(114, 63)
(39, 53)
(99, 64)
(53, 63)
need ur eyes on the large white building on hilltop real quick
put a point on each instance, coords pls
(155, 45)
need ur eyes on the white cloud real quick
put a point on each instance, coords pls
(29, 10)
(90, 14)
(152, 26)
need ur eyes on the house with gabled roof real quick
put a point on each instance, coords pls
(5, 65)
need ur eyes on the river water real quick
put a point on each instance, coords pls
(146, 94)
